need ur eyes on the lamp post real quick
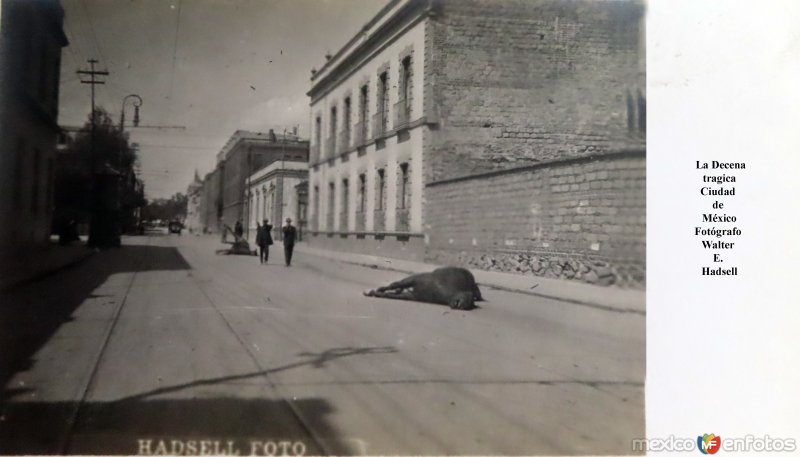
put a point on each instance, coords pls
(136, 104)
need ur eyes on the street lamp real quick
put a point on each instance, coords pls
(136, 104)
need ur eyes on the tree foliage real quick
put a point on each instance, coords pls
(166, 209)
(115, 191)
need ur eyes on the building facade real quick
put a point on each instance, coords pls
(30, 68)
(272, 194)
(211, 202)
(247, 152)
(506, 135)
(194, 212)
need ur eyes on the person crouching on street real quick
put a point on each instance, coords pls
(289, 235)
(264, 240)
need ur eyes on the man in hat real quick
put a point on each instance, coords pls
(289, 235)
(264, 240)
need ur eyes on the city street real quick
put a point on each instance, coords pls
(163, 344)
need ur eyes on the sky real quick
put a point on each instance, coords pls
(211, 66)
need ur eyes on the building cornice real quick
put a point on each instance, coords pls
(279, 168)
(243, 137)
(354, 54)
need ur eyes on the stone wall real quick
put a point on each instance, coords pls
(581, 219)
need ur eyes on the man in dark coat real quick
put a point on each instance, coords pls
(264, 240)
(289, 235)
(238, 229)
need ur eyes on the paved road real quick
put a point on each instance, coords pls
(164, 346)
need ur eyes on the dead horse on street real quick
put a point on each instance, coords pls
(451, 286)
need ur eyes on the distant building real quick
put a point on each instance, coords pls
(244, 154)
(194, 195)
(504, 134)
(30, 68)
(272, 194)
(211, 201)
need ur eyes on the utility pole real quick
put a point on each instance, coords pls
(93, 217)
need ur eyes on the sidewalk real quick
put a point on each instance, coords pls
(41, 263)
(610, 298)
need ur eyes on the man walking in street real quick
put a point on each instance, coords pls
(289, 235)
(264, 240)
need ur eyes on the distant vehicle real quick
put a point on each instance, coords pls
(175, 227)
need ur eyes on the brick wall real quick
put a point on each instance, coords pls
(581, 219)
(516, 82)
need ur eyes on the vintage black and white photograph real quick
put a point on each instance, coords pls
(322, 227)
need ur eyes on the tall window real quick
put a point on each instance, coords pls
(405, 83)
(381, 189)
(345, 198)
(404, 190)
(362, 192)
(257, 207)
(333, 132)
(363, 108)
(363, 112)
(272, 203)
(264, 203)
(331, 204)
(316, 207)
(346, 120)
(318, 136)
(383, 97)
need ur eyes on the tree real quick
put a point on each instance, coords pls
(103, 182)
(166, 209)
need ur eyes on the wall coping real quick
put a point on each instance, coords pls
(612, 155)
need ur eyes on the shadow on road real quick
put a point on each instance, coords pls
(316, 360)
(139, 424)
(116, 428)
(31, 313)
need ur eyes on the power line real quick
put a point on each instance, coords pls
(102, 92)
(94, 33)
(174, 53)
(73, 39)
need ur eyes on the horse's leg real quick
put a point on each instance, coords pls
(398, 289)
(404, 283)
(397, 294)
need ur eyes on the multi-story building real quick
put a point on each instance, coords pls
(244, 154)
(502, 134)
(194, 196)
(30, 68)
(211, 201)
(272, 194)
